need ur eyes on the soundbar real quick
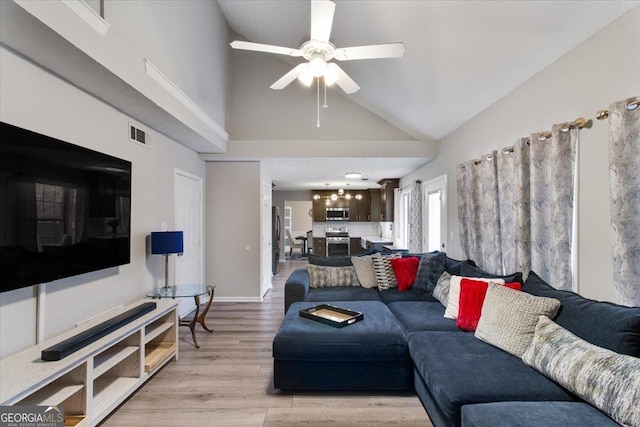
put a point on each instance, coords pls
(76, 342)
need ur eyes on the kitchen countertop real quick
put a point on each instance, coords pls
(377, 239)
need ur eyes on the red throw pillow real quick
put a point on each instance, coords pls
(472, 293)
(405, 270)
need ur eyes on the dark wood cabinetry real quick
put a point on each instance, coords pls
(354, 246)
(359, 206)
(320, 246)
(374, 205)
(319, 209)
(387, 187)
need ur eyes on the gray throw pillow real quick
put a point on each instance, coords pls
(326, 277)
(365, 271)
(430, 269)
(509, 318)
(441, 291)
(608, 380)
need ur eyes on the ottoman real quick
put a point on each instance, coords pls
(371, 354)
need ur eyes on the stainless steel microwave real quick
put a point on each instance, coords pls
(337, 214)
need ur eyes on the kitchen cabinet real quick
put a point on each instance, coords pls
(387, 187)
(374, 205)
(354, 246)
(320, 246)
(319, 209)
(359, 210)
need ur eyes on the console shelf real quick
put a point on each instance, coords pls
(93, 381)
(110, 358)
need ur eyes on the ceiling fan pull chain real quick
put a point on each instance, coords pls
(318, 98)
(325, 94)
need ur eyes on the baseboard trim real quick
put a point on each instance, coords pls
(237, 299)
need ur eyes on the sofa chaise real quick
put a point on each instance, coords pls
(462, 380)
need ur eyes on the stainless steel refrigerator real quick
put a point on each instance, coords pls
(276, 232)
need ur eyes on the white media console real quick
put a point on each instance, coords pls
(94, 380)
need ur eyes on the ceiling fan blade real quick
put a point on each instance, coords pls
(285, 80)
(345, 82)
(388, 50)
(258, 47)
(321, 19)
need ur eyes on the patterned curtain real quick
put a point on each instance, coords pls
(415, 218)
(516, 207)
(624, 177)
(478, 212)
(552, 169)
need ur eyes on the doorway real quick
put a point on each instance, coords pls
(188, 219)
(434, 224)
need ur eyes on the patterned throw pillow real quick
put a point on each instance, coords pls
(365, 271)
(608, 380)
(441, 291)
(509, 318)
(384, 272)
(325, 277)
(430, 269)
(453, 305)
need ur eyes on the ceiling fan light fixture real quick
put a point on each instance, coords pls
(318, 66)
(330, 76)
(306, 77)
(353, 175)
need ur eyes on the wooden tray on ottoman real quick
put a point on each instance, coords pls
(332, 315)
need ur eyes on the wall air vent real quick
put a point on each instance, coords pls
(139, 136)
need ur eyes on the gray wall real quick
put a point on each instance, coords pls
(233, 211)
(34, 99)
(194, 55)
(600, 71)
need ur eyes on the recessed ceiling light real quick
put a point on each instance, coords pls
(353, 175)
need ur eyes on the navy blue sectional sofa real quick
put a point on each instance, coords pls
(462, 381)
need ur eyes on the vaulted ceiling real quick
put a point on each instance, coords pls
(461, 56)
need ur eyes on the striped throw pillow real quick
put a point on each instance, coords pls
(384, 272)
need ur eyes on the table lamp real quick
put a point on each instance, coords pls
(166, 243)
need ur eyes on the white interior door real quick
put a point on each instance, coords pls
(189, 206)
(266, 243)
(287, 226)
(435, 214)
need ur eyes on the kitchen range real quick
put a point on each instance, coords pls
(337, 240)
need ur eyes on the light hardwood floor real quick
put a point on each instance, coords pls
(229, 380)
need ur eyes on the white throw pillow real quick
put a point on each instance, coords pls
(453, 305)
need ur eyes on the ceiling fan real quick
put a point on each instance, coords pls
(319, 51)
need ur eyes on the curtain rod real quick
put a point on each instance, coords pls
(417, 181)
(631, 105)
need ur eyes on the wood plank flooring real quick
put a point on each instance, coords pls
(229, 380)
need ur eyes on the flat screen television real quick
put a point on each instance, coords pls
(64, 209)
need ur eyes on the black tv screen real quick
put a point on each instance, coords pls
(64, 210)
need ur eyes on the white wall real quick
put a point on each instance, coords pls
(34, 99)
(232, 206)
(600, 71)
